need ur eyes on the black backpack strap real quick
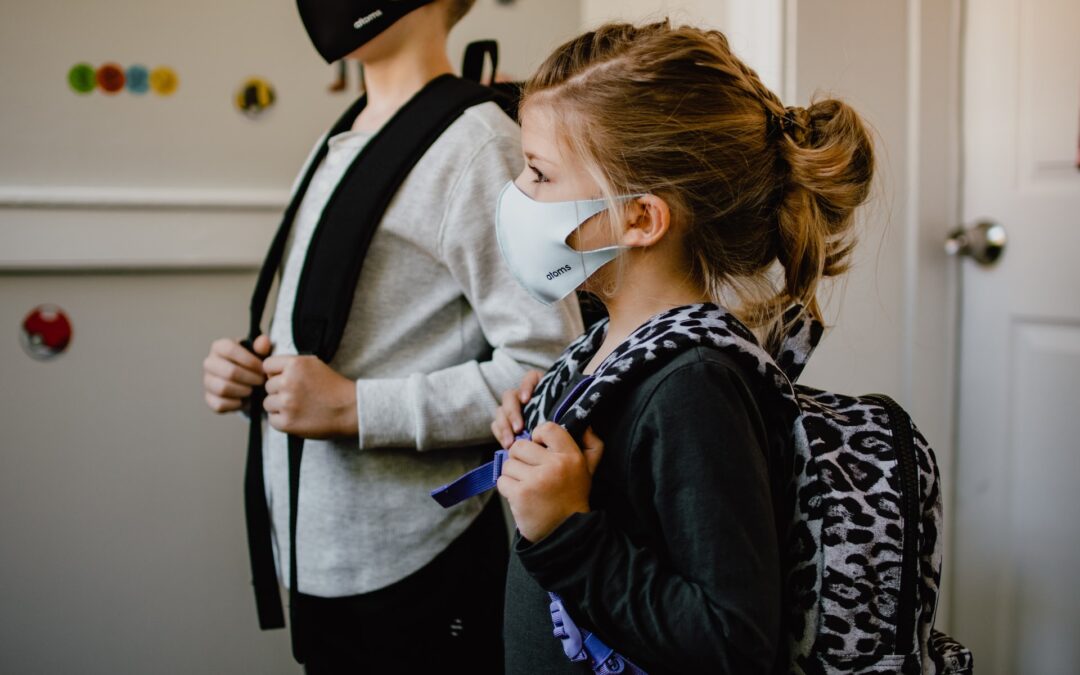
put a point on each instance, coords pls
(352, 214)
(257, 514)
(506, 94)
(472, 66)
(325, 292)
(272, 262)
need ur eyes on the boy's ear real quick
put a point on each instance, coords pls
(647, 221)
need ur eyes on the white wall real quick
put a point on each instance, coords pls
(121, 513)
(120, 508)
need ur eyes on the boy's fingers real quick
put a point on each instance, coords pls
(222, 405)
(231, 350)
(262, 345)
(225, 388)
(227, 370)
(275, 364)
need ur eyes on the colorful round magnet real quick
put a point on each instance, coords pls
(138, 79)
(255, 97)
(164, 81)
(82, 79)
(110, 77)
(46, 332)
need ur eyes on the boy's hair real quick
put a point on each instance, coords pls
(456, 11)
(671, 111)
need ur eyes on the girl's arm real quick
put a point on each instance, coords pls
(707, 597)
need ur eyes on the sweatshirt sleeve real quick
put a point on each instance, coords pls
(453, 406)
(707, 597)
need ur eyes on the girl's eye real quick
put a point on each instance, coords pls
(540, 178)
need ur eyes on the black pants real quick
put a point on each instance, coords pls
(446, 617)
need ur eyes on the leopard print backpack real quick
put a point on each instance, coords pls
(865, 548)
(864, 545)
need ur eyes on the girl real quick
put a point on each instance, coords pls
(656, 148)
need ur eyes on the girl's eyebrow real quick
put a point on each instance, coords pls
(532, 157)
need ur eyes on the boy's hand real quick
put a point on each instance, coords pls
(305, 397)
(230, 372)
(549, 479)
(508, 420)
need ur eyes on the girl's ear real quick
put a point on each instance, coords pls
(647, 221)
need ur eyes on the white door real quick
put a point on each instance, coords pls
(1017, 525)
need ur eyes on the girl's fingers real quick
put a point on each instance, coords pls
(516, 469)
(512, 408)
(553, 437)
(527, 453)
(528, 385)
(593, 448)
(507, 487)
(500, 429)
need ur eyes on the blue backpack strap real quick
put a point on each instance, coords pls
(483, 478)
(580, 645)
(477, 481)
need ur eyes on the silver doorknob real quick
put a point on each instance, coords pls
(983, 242)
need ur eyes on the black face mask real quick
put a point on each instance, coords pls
(337, 28)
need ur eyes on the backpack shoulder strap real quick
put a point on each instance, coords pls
(327, 284)
(353, 212)
(801, 337)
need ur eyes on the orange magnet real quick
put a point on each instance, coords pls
(110, 77)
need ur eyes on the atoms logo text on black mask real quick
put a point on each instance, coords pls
(558, 272)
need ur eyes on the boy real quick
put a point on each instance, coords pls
(386, 580)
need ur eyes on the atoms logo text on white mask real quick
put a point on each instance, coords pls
(532, 239)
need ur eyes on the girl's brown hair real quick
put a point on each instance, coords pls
(671, 111)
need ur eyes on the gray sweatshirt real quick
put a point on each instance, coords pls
(437, 330)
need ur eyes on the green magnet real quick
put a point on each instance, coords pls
(83, 78)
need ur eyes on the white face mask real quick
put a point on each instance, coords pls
(532, 237)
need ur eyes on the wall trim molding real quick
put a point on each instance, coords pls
(140, 198)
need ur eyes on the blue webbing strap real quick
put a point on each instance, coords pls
(477, 481)
(580, 645)
(483, 478)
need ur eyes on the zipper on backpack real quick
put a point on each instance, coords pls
(907, 462)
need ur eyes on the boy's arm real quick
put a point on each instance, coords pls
(454, 406)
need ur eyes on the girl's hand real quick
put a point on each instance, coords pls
(508, 419)
(549, 479)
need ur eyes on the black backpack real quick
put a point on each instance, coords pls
(329, 278)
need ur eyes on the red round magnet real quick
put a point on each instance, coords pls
(46, 332)
(110, 78)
